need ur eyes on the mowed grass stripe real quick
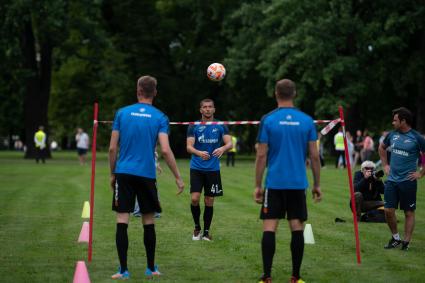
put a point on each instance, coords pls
(40, 219)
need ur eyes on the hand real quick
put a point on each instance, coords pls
(414, 176)
(387, 169)
(180, 185)
(258, 195)
(204, 155)
(112, 182)
(218, 152)
(317, 194)
(159, 169)
(367, 174)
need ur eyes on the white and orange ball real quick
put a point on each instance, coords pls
(216, 72)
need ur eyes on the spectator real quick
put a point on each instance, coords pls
(358, 146)
(368, 188)
(83, 141)
(339, 147)
(232, 152)
(368, 146)
(40, 145)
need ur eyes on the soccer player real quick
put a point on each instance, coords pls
(405, 146)
(204, 142)
(284, 136)
(135, 131)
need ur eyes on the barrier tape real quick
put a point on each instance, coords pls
(330, 126)
(227, 122)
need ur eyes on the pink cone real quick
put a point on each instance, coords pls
(84, 234)
(81, 275)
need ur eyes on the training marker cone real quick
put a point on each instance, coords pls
(81, 275)
(308, 234)
(86, 210)
(84, 234)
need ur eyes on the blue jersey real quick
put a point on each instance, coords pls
(287, 132)
(207, 138)
(405, 150)
(138, 125)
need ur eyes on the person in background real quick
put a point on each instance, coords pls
(368, 146)
(83, 140)
(358, 146)
(40, 145)
(231, 153)
(350, 147)
(320, 149)
(368, 188)
(339, 147)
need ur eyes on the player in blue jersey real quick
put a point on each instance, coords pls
(135, 132)
(284, 137)
(405, 146)
(206, 143)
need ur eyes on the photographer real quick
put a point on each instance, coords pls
(368, 188)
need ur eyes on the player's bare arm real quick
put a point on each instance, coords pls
(190, 142)
(168, 155)
(227, 144)
(260, 167)
(315, 168)
(113, 152)
(382, 149)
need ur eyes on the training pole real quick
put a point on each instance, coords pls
(93, 173)
(350, 179)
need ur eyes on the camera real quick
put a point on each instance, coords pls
(378, 174)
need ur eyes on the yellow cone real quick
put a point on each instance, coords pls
(308, 234)
(86, 210)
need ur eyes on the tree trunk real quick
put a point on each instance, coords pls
(420, 101)
(37, 87)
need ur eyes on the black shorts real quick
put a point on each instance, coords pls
(289, 204)
(209, 180)
(403, 193)
(128, 187)
(81, 151)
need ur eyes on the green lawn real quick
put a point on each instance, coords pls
(40, 219)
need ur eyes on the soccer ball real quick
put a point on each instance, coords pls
(216, 72)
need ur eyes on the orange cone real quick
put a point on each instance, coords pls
(81, 275)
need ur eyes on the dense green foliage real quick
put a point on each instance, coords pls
(40, 221)
(368, 56)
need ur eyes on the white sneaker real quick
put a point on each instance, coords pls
(196, 236)
(207, 238)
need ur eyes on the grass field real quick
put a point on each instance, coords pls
(40, 219)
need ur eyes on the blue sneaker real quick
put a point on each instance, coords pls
(122, 276)
(149, 273)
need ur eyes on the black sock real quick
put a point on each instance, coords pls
(196, 213)
(121, 240)
(268, 246)
(208, 215)
(297, 250)
(149, 238)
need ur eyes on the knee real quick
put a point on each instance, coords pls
(195, 201)
(209, 201)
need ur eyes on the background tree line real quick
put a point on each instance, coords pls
(60, 56)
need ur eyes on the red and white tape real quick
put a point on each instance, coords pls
(325, 130)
